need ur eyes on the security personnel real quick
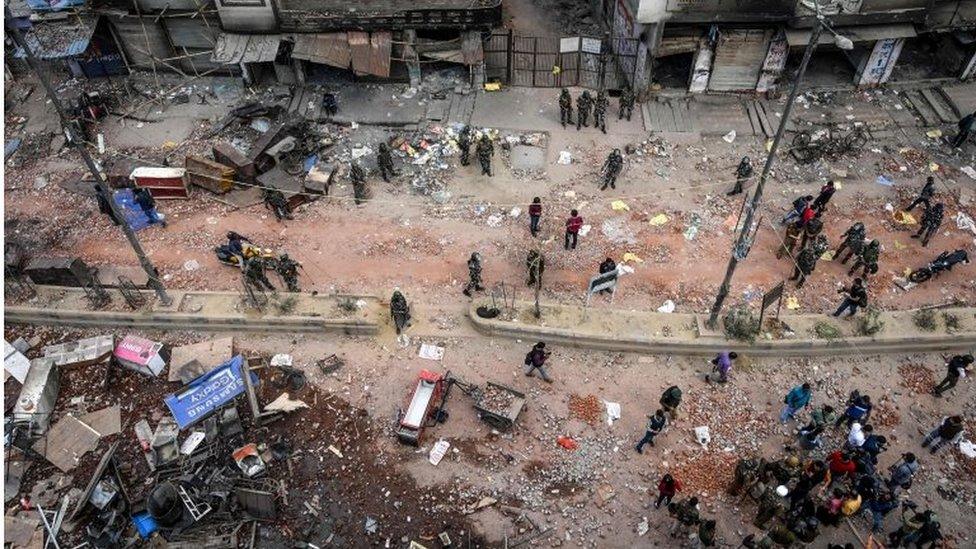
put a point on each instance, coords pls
(600, 106)
(274, 199)
(868, 259)
(399, 311)
(627, 101)
(384, 158)
(288, 269)
(565, 107)
(793, 231)
(254, 273)
(464, 143)
(745, 474)
(811, 230)
(611, 169)
(742, 172)
(806, 261)
(485, 151)
(853, 241)
(583, 105)
(536, 265)
(474, 275)
(931, 220)
(359, 189)
(771, 504)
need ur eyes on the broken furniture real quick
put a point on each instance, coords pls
(14, 362)
(162, 183)
(59, 271)
(213, 176)
(140, 355)
(497, 405)
(426, 401)
(225, 154)
(35, 404)
(83, 352)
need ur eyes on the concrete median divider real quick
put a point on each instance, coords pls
(685, 334)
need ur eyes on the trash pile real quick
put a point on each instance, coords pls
(589, 408)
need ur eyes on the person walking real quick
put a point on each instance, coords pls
(535, 213)
(797, 399)
(384, 159)
(722, 365)
(853, 241)
(485, 150)
(965, 126)
(856, 296)
(902, 473)
(627, 100)
(573, 226)
(360, 191)
(826, 193)
(949, 431)
(931, 220)
(667, 488)
(611, 169)
(536, 360)
(956, 367)
(474, 275)
(655, 424)
(743, 172)
(608, 265)
(800, 205)
(806, 262)
(868, 259)
(793, 232)
(464, 144)
(670, 400)
(924, 196)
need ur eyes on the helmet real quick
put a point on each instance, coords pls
(782, 491)
(793, 461)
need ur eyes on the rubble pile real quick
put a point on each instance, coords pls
(707, 473)
(732, 419)
(495, 399)
(917, 377)
(589, 408)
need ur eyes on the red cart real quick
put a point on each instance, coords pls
(425, 407)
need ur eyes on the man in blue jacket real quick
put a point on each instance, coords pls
(797, 399)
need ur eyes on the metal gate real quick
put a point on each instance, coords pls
(555, 62)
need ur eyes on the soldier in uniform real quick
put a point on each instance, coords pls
(742, 172)
(384, 158)
(627, 101)
(565, 107)
(926, 194)
(536, 264)
(811, 230)
(820, 245)
(464, 143)
(686, 514)
(288, 269)
(853, 241)
(771, 504)
(474, 275)
(254, 272)
(868, 259)
(274, 199)
(485, 151)
(359, 189)
(399, 311)
(806, 261)
(931, 220)
(611, 169)
(600, 106)
(793, 231)
(583, 105)
(746, 473)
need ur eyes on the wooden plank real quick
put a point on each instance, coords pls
(923, 109)
(935, 102)
(768, 129)
(107, 421)
(66, 442)
(668, 117)
(949, 102)
(680, 110)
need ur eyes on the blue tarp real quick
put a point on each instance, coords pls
(133, 214)
(54, 5)
(207, 393)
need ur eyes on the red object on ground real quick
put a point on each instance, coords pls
(567, 443)
(162, 182)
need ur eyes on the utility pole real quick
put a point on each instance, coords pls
(742, 244)
(101, 185)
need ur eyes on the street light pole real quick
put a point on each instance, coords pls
(741, 245)
(154, 282)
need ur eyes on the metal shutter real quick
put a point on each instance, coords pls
(739, 57)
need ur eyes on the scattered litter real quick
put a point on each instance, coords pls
(564, 158)
(643, 526)
(335, 451)
(967, 448)
(619, 205)
(658, 220)
(431, 352)
(585, 230)
(191, 265)
(933, 167)
(969, 170)
(934, 134)
(285, 404)
(492, 86)
(281, 359)
(883, 180)
(248, 460)
(570, 194)
(965, 222)
(495, 220)
(613, 411)
(567, 443)
(828, 255)
(515, 212)
(702, 435)
(438, 452)
(630, 257)
(889, 208)
(792, 303)
(899, 246)
(667, 307)
(729, 137)
(692, 231)
(371, 525)
(191, 442)
(904, 218)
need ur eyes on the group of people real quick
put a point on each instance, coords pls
(586, 103)
(254, 266)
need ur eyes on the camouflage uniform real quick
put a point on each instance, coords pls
(793, 231)
(288, 269)
(868, 259)
(384, 158)
(811, 230)
(254, 273)
(275, 200)
(806, 261)
(474, 275)
(359, 189)
(600, 106)
(771, 505)
(627, 101)
(583, 105)
(399, 311)
(853, 241)
(565, 107)
(485, 151)
(464, 143)
(611, 169)
(746, 473)
(931, 220)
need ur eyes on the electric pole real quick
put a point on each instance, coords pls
(101, 186)
(742, 244)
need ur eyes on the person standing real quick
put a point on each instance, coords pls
(706, 533)
(931, 220)
(384, 158)
(536, 360)
(826, 193)
(949, 431)
(611, 169)
(600, 106)
(399, 311)
(965, 125)
(535, 213)
(857, 296)
(813, 474)
(655, 424)
(608, 265)
(925, 195)
(485, 151)
(841, 466)
(667, 488)
(811, 230)
(793, 231)
(474, 275)
(823, 416)
(956, 367)
(746, 473)
(855, 437)
(880, 507)
(797, 399)
(573, 226)
(722, 365)
(670, 400)
(627, 100)
(902, 473)
(853, 241)
(686, 514)
(868, 259)
(536, 265)
(771, 504)
(806, 262)
(583, 105)
(800, 205)
(565, 107)
(464, 144)
(359, 190)
(742, 173)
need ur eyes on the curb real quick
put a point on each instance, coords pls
(708, 345)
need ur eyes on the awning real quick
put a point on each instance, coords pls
(60, 39)
(233, 49)
(364, 52)
(331, 48)
(871, 33)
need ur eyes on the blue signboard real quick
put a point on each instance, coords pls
(207, 392)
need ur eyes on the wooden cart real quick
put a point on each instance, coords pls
(499, 405)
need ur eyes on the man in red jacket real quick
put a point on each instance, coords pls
(535, 212)
(573, 226)
(840, 465)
